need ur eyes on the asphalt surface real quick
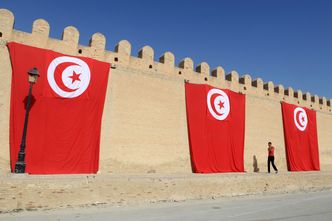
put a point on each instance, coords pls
(302, 206)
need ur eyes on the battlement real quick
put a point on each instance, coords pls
(145, 61)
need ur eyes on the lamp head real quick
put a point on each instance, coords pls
(33, 75)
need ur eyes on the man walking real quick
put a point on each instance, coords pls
(271, 158)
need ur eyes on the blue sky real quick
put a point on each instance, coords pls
(288, 42)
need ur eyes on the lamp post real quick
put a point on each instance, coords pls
(20, 163)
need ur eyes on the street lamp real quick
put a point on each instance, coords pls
(20, 164)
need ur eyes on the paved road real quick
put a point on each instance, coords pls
(309, 206)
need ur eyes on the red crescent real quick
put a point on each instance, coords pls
(298, 118)
(213, 97)
(58, 76)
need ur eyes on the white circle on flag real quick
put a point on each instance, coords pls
(74, 79)
(300, 118)
(218, 104)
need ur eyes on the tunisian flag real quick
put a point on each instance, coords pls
(216, 122)
(63, 133)
(300, 132)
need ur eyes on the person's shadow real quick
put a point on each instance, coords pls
(255, 164)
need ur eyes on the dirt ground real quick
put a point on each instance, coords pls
(30, 193)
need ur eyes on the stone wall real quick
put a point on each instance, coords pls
(144, 122)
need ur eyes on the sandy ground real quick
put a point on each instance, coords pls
(294, 207)
(42, 193)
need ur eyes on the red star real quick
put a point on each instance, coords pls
(221, 104)
(75, 77)
(303, 119)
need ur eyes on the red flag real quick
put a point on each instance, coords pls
(216, 122)
(63, 133)
(301, 142)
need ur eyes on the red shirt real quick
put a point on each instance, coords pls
(271, 152)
